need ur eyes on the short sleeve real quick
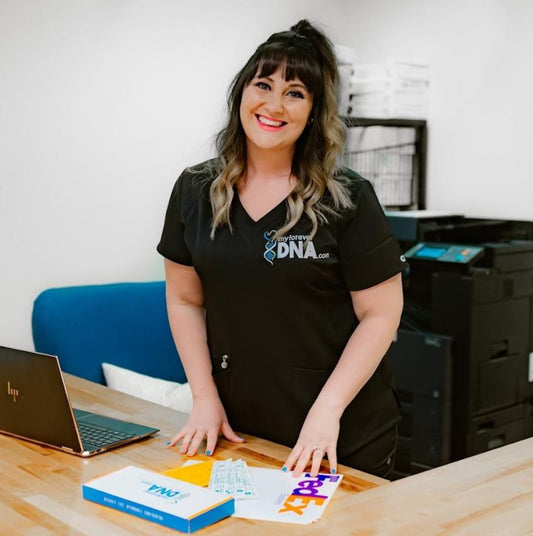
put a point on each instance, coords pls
(172, 244)
(368, 251)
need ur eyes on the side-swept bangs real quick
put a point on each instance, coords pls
(294, 63)
(291, 54)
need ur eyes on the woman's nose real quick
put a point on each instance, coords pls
(275, 103)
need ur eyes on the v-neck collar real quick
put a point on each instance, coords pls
(272, 212)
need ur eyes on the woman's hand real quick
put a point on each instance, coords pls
(318, 437)
(207, 420)
(378, 310)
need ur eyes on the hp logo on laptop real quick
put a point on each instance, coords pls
(11, 391)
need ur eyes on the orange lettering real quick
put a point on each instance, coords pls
(303, 503)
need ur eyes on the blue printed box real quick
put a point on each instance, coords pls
(158, 498)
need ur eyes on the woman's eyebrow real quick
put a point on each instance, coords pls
(296, 84)
(292, 85)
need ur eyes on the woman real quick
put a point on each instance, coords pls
(283, 278)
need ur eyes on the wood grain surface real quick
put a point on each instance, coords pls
(40, 491)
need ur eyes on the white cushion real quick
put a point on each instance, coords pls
(171, 394)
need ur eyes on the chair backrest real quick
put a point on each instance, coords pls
(124, 324)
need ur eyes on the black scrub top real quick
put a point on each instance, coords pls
(279, 314)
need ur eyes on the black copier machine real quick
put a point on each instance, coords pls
(463, 357)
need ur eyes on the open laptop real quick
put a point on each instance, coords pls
(34, 405)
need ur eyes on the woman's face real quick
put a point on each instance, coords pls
(274, 112)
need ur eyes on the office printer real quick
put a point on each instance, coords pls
(463, 358)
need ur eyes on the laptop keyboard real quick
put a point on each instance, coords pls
(100, 437)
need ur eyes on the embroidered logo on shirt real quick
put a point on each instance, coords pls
(290, 246)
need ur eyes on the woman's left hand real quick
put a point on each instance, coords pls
(318, 437)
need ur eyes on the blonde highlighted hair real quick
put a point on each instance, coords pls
(306, 53)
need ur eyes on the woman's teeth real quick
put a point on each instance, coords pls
(269, 122)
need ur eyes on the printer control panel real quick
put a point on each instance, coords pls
(446, 253)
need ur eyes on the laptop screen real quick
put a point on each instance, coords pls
(34, 403)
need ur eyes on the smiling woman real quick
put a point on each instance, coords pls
(302, 56)
(283, 285)
(273, 105)
(274, 112)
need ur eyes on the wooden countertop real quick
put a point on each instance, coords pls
(491, 493)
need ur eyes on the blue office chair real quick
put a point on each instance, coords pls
(121, 323)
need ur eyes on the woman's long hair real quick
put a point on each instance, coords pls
(302, 52)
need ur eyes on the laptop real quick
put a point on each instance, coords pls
(35, 406)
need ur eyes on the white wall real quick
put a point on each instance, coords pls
(480, 158)
(102, 104)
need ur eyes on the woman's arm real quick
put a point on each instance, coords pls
(378, 309)
(185, 305)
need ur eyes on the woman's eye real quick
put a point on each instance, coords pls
(296, 94)
(262, 85)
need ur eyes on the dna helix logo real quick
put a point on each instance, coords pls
(269, 254)
(11, 391)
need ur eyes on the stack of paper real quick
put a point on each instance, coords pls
(363, 139)
(345, 62)
(389, 89)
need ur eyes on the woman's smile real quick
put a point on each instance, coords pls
(274, 112)
(270, 124)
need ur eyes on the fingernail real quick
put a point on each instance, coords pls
(168, 442)
(333, 471)
(208, 453)
(284, 469)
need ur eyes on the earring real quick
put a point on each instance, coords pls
(310, 122)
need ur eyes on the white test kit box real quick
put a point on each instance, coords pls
(159, 498)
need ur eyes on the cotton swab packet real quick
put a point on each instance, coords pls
(232, 478)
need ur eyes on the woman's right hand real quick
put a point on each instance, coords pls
(206, 421)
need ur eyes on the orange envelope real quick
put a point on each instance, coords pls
(198, 473)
